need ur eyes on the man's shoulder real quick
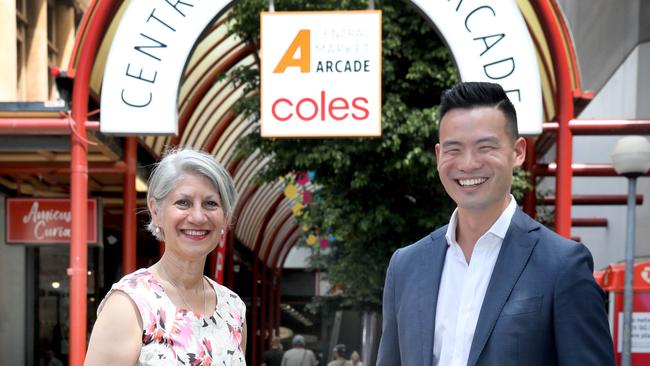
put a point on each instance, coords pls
(549, 244)
(424, 244)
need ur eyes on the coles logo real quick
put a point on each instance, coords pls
(306, 109)
(321, 74)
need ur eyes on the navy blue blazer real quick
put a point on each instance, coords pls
(542, 305)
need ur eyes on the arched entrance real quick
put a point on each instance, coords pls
(265, 201)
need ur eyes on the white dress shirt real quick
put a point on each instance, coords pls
(462, 290)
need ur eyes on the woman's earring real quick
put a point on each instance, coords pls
(157, 230)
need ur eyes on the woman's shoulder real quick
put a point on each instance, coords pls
(140, 279)
(140, 286)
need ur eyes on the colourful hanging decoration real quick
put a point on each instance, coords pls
(299, 189)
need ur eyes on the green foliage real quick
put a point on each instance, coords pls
(377, 194)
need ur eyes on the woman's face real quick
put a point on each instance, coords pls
(190, 217)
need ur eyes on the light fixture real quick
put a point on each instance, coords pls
(631, 158)
(631, 155)
(56, 284)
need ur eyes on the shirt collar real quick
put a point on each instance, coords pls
(499, 228)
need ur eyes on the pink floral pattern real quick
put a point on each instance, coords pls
(184, 338)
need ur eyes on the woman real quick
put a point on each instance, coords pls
(355, 359)
(170, 313)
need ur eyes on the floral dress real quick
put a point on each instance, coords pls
(172, 336)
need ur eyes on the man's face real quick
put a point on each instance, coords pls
(476, 158)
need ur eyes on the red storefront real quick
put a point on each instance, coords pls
(614, 282)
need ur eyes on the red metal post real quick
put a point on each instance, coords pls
(272, 300)
(278, 300)
(130, 198)
(79, 180)
(271, 273)
(256, 346)
(565, 113)
(530, 200)
(78, 245)
(276, 303)
(229, 271)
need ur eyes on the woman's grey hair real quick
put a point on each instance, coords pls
(178, 163)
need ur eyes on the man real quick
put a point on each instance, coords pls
(339, 356)
(273, 357)
(298, 355)
(493, 287)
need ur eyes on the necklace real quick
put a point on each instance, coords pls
(180, 294)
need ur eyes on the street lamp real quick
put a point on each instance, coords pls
(631, 157)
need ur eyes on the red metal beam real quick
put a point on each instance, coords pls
(129, 252)
(60, 168)
(565, 112)
(597, 199)
(603, 127)
(589, 221)
(578, 170)
(216, 134)
(41, 126)
(272, 237)
(206, 84)
(101, 17)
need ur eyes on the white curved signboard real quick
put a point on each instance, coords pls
(490, 41)
(143, 71)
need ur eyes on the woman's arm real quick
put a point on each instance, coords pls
(244, 333)
(116, 338)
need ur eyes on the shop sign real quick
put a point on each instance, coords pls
(320, 74)
(640, 332)
(45, 221)
(489, 41)
(145, 64)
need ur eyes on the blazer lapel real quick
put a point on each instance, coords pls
(517, 246)
(431, 266)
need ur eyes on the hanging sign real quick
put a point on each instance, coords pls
(45, 221)
(489, 41)
(321, 74)
(145, 63)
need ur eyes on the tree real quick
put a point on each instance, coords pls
(376, 194)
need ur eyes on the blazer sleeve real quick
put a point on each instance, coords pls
(582, 335)
(389, 352)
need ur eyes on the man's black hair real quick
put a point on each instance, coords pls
(469, 95)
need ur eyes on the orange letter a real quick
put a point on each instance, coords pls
(302, 42)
